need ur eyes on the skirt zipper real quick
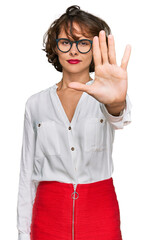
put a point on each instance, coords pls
(74, 196)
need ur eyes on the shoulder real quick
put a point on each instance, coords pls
(37, 98)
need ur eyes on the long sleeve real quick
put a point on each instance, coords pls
(118, 122)
(27, 188)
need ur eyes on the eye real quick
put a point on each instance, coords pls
(65, 42)
(84, 43)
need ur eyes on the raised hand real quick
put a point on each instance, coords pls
(110, 84)
(110, 79)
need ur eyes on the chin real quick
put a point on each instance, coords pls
(75, 69)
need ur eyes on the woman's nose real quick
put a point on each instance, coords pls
(73, 49)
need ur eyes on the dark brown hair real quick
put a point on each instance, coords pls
(90, 26)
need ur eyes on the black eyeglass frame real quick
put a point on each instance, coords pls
(71, 42)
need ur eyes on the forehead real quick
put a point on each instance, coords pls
(76, 30)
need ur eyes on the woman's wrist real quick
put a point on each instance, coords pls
(115, 108)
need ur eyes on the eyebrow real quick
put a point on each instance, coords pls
(76, 40)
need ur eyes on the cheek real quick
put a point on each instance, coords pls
(88, 59)
(62, 58)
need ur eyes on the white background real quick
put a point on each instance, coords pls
(25, 71)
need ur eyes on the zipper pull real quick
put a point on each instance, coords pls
(73, 194)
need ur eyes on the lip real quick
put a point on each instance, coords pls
(73, 61)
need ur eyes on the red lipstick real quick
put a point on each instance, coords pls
(73, 61)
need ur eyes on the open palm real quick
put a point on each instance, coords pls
(110, 83)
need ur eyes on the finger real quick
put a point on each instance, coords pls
(78, 86)
(103, 46)
(112, 53)
(126, 57)
(96, 51)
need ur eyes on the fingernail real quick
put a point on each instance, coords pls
(102, 32)
(110, 36)
(95, 37)
(129, 45)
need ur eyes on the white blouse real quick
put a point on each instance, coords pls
(55, 149)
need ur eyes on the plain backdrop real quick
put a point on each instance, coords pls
(24, 70)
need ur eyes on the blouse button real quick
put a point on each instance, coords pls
(69, 128)
(101, 120)
(39, 125)
(72, 148)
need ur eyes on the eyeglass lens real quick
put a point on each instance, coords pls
(65, 45)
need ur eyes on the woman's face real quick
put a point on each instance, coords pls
(85, 59)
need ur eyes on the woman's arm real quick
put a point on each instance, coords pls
(123, 119)
(27, 188)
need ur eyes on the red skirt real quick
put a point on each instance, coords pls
(89, 213)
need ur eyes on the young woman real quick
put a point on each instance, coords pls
(66, 187)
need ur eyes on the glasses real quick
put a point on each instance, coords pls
(83, 45)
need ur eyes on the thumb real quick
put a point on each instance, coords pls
(78, 86)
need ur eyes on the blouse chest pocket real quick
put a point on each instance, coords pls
(95, 132)
(47, 134)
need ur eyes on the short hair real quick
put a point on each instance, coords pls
(90, 26)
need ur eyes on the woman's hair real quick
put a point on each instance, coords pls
(90, 26)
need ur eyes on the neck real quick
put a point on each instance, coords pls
(76, 77)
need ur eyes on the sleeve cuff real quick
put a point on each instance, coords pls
(118, 122)
(23, 236)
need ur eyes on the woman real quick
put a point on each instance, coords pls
(66, 187)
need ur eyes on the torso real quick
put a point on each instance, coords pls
(69, 99)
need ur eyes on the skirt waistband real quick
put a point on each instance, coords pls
(81, 186)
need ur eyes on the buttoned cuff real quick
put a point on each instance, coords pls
(118, 122)
(23, 236)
